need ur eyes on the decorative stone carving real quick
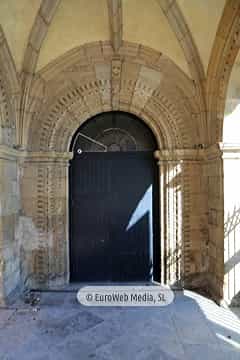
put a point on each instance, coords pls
(88, 81)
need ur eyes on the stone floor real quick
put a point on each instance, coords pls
(192, 327)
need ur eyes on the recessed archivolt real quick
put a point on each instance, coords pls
(73, 108)
(75, 116)
(143, 85)
(66, 133)
(70, 111)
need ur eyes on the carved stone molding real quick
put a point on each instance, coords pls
(193, 155)
(90, 80)
(83, 85)
(8, 153)
(47, 157)
(9, 94)
(223, 55)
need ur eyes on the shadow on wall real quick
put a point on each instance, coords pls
(231, 156)
(232, 257)
(173, 255)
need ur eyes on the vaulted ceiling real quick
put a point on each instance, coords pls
(75, 22)
(202, 38)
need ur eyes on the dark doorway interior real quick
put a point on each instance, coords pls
(114, 201)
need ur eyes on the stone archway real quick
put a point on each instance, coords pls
(46, 255)
(92, 80)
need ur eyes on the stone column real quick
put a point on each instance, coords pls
(170, 217)
(186, 253)
(195, 223)
(203, 221)
(44, 219)
(9, 212)
(213, 176)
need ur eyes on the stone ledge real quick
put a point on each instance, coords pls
(8, 153)
(48, 157)
(213, 152)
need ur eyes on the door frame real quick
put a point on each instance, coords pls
(156, 244)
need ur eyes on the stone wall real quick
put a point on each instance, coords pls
(213, 175)
(90, 80)
(196, 256)
(35, 241)
(10, 258)
(44, 228)
(212, 231)
(44, 220)
(188, 194)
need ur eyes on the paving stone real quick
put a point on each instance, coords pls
(5, 315)
(191, 328)
(209, 352)
(60, 327)
(102, 334)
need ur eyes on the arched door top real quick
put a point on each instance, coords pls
(113, 132)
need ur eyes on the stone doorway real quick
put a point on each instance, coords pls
(114, 201)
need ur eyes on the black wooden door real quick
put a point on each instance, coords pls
(113, 217)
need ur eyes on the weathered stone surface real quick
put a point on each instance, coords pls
(97, 77)
(9, 212)
(59, 327)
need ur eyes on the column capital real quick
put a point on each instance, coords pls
(9, 153)
(179, 155)
(48, 157)
(189, 155)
